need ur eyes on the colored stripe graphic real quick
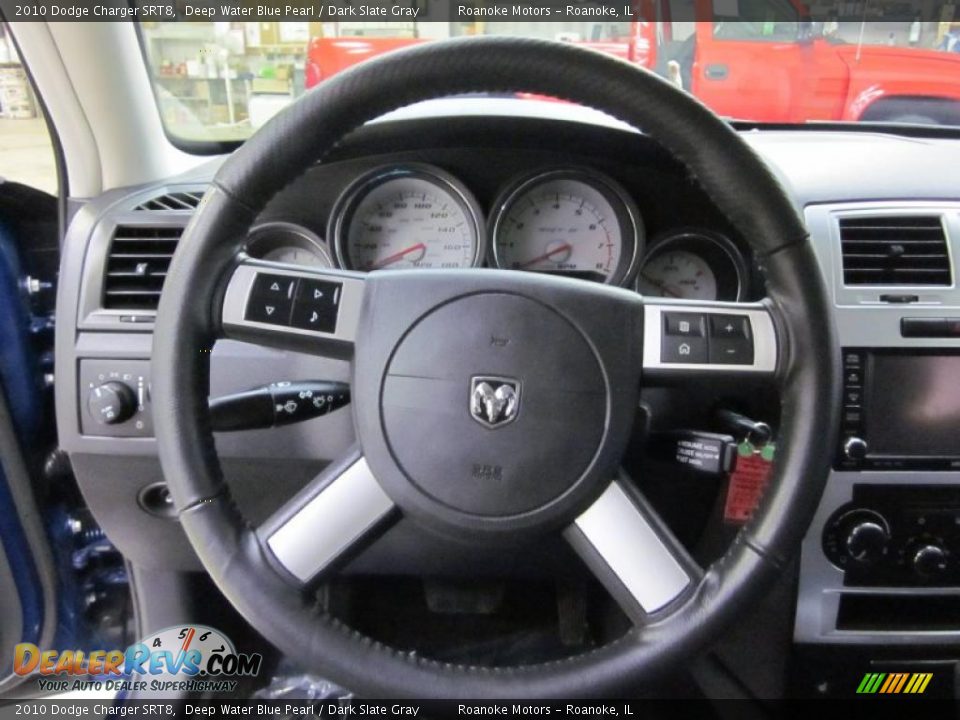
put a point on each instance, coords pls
(901, 683)
(894, 683)
(870, 683)
(891, 681)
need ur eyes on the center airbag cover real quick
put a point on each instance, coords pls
(509, 467)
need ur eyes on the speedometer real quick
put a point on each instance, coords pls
(403, 217)
(568, 222)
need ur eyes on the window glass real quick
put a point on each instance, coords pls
(769, 20)
(26, 150)
(220, 81)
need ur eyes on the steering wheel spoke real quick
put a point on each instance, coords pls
(293, 307)
(632, 552)
(684, 337)
(328, 521)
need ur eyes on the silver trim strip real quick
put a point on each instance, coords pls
(764, 336)
(331, 522)
(241, 284)
(632, 550)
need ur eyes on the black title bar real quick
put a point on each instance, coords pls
(487, 11)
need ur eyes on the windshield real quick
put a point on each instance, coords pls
(764, 61)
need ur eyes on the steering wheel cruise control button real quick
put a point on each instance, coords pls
(683, 350)
(730, 340)
(730, 326)
(684, 324)
(684, 338)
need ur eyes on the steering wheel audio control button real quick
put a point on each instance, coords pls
(271, 299)
(275, 312)
(316, 306)
(274, 287)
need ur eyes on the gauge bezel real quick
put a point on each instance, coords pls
(269, 236)
(346, 204)
(694, 240)
(627, 213)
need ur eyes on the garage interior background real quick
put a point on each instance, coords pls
(225, 79)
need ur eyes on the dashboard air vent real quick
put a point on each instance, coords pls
(137, 266)
(894, 250)
(173, 201)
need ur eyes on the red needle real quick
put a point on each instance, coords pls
(547, 255)
(398, 256)
(659, 284)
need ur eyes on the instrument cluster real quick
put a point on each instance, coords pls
(568, 221)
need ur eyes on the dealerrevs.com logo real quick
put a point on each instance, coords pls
(184, 658)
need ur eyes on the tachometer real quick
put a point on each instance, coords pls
(693, 264)
(409, 216)
(569, 222)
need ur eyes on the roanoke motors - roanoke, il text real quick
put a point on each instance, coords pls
(570, 11)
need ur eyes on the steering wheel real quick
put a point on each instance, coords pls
(558, 359)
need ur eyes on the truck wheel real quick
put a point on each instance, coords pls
(918, 111)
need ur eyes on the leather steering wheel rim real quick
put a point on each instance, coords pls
(730, 173)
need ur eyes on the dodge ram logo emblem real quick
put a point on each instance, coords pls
(494, 401)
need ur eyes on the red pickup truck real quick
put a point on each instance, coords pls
(782, 69)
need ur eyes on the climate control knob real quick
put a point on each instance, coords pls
(929, 561)
(867, 540)
(112, 403)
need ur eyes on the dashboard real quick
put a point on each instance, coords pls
(563, 218)
(542, 187)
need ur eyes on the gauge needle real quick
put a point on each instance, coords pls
(659, 284)
(390, 259)
(547, 255)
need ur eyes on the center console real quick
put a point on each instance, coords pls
(880, 565)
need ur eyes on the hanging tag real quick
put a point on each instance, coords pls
(747, 481)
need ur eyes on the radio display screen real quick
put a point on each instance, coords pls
(913, 404)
